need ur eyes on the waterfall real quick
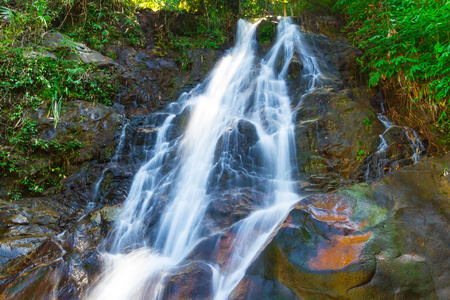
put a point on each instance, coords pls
(238, 134)
(378, 163)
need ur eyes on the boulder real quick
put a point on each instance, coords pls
(335, 132)
(228, 207)
(57, 42)
(382, 241)
(194, 281)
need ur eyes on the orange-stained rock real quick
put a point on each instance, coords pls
(339, 252)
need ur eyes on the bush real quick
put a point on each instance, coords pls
(406, 47)
(30, 77)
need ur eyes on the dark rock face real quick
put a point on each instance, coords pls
(334, 133)
(151, 79)
(54, 253)
(337, 128)
(194, 282)
(93, 124)
(336, 125)
(384, 241)
(230, 206)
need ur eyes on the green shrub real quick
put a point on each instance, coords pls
(406, 46)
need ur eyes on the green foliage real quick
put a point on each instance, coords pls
(266, 33)
(406, 44)
(30, 78)
(34, 163)
(94, 22)
(99, 23)
(26, 83)
(361, 156)
(210, 24)
(446, 170)
(39, 79)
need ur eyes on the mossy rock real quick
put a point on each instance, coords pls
(387, 240)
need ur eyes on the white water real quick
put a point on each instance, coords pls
(177, 181)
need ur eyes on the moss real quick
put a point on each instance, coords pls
(109, 152)
(107, 181)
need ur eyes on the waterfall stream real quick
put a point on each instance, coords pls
(237, 135)
(378, 163)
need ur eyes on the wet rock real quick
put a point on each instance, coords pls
(240, 141)
(115, 184)
(46, 217)
(194, 282)
(228, 207)
(15, 247)
(200, 62)
(237, 151)
(254, 287)
(106, 214)
(381, 241)
(28, 231)
(93, 124)
(37, 276)
(335, 132)
(401, 148)
(328, 182)
(20, 219)
(295, 67)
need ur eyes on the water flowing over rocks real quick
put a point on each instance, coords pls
(346, 240)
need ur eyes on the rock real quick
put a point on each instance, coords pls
(15, 247)
(228, 207)
(57, 42)
(323, 183)
(401, 148)
(43, 273)
(93, 124)
(295, 67)
(37, 54)
(335, 132)
(46, 217)
(194, 282)
(254, 287)
(27, 231)
(381, 241)
(106, 214)
(200, 62)
(238, 150)
(20, 219)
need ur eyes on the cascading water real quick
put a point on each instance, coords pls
(378, 163)
(113, 163)
(239, 135)
(114, 160)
